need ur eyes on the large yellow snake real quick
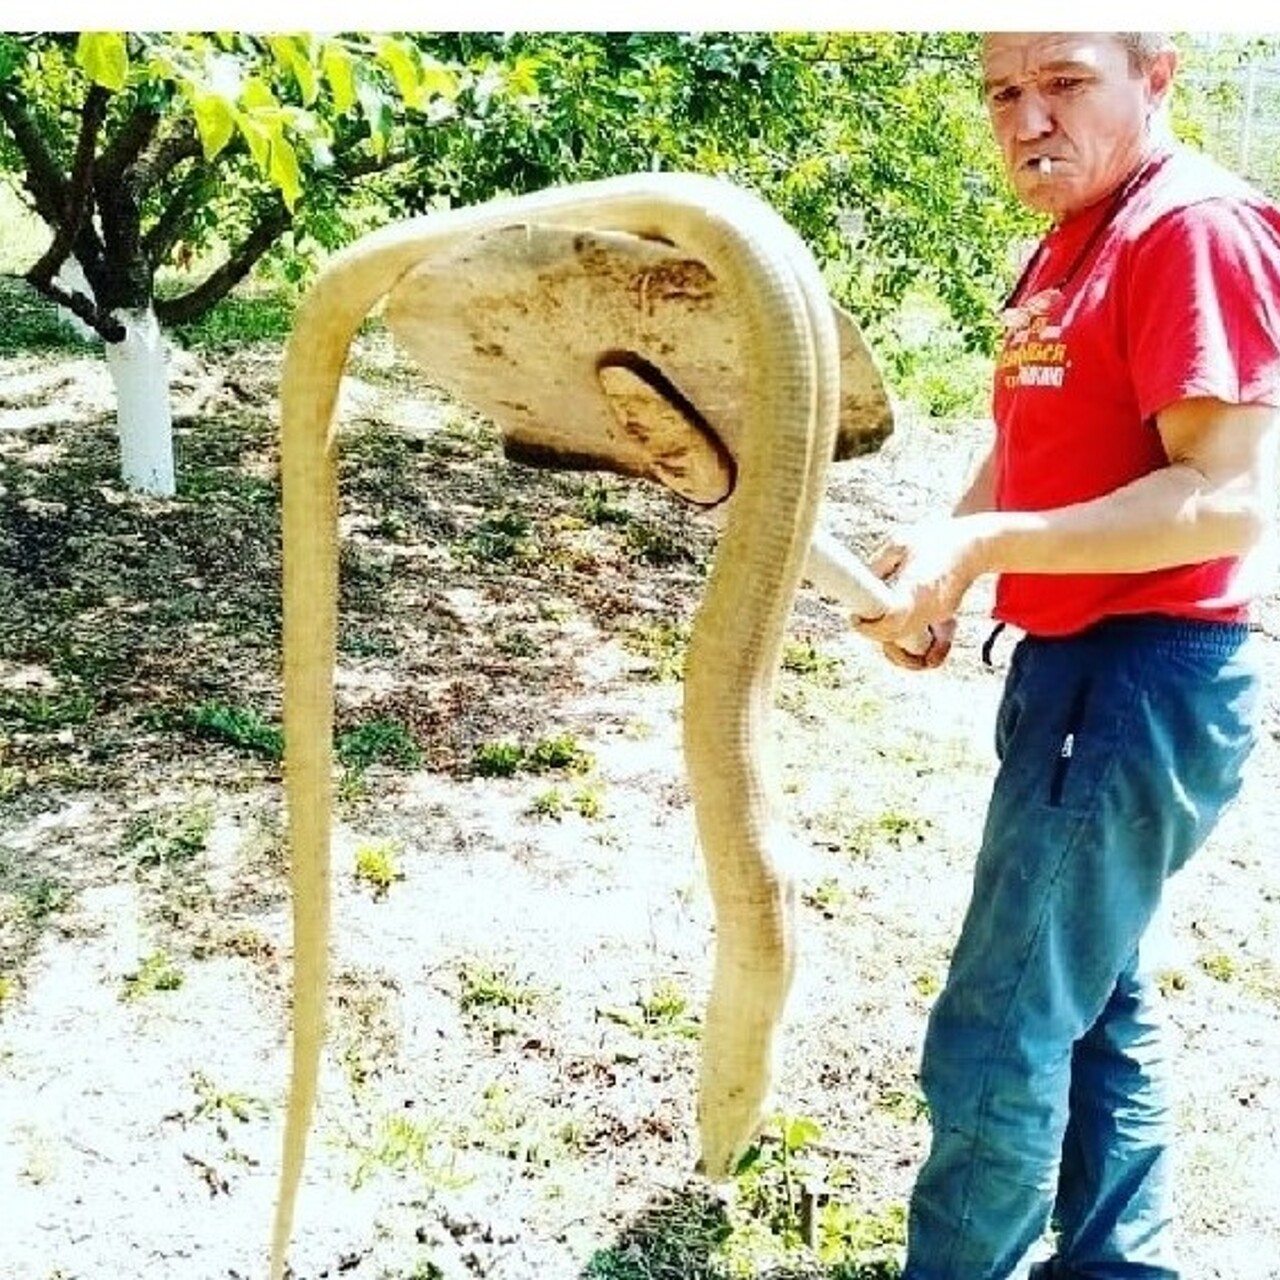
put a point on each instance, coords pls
(790, 353)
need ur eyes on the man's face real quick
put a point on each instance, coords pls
(1075, 99)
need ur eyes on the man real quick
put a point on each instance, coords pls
(1124, 502)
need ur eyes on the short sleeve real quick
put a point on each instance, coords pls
(1203, 297)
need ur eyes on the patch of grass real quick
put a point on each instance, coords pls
(160, 839)
(517, 643)
(893, 828)
(377, 742)
(377, 865)
(662, 646)
(32, 323)
(486, 987)
(156, 972)
(240, 727)
(243, 317)
(655, 545)
(506, 536)
(597, 505)
(827, 896)
(803, 658)
(221, 1105)
(661, 1011)
(41, 712)
(505, 759)
(43, 897)
(405, 1145)
(1220, 966)
(497, 759)
(791, 1210)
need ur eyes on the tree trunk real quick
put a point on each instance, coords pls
(140, 371)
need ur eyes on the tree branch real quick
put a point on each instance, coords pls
(133, 135)
(78, 197)
(107, 328)
(187, 306)
(43, 174)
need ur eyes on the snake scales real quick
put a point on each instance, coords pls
(791, 362)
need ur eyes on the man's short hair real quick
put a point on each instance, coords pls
(1143, 46)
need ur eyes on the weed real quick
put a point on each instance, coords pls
(219, 1105)
(502, 537)
(497, 759)
(8, 989)
(596, 502)
(377, 742)
(663, 646)
(44, 897)
(802, 658)
(1220, 966)
(405, 1145)
(377, 866)
(548, 804)
(827, 896)
(241, 728)
(559, 752)
(12, 782)
(487, 986)
(47, 713)
(517, 643)
(655, 545)
(893, 828)
(160, 839)
(506, 759)
(588, 802)
(155, 972)
(663, 1011)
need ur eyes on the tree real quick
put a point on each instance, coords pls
(882, 132)
(137, 149)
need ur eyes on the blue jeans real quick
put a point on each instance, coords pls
(1043, 1064)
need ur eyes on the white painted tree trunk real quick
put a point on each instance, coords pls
(144, 416)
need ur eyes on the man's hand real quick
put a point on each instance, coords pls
(929, 567)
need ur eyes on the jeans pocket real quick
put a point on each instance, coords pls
(1067, 749)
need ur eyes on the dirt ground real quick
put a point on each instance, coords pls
(509, 1086)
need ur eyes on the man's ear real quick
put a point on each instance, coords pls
(1160, 76)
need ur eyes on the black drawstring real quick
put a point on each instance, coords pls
(989, 643)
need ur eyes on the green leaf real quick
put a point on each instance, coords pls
(284, 169)
(215, 122)
(104, 58)
(257, 138)
(404, 70)
(291, 52)
(338, 70)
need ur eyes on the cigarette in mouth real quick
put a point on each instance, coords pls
(1044, 164)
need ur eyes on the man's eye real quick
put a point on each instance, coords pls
(1064, 84)
(1005, 97)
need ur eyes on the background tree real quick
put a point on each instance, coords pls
(137, 150)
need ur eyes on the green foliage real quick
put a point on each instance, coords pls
(162, 838)
(662, 1011)
(505, 759)
(377, 865)
(377, 742)
(488, 987)
(155, 972)
(240, 727)
(662, 645)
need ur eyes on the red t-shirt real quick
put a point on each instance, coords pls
(1178, 297)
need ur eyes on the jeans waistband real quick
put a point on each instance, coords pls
(1200, 635)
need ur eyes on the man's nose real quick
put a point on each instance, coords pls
(1031, 116)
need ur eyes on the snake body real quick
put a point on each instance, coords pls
(791, 355)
